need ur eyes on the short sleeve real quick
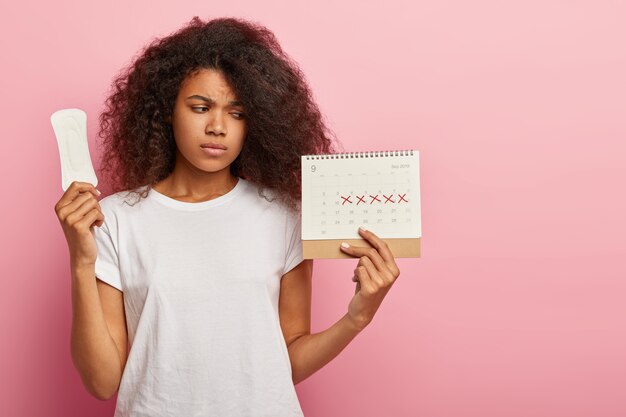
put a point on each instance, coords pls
(107, 261)
(293, 256)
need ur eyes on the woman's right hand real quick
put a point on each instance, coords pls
(78, 210)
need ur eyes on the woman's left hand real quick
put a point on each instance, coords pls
(375, 274)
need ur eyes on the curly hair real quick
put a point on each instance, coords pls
(284, 122)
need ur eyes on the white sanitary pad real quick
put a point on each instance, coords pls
(70, 128)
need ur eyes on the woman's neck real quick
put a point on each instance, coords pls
(196, 187)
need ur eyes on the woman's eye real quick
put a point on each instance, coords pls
(238, 115)
(200, 109)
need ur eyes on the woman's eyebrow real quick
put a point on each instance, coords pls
(211, 101)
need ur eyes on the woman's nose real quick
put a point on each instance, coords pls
(215, 125)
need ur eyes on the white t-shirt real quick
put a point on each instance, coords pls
(201, 283)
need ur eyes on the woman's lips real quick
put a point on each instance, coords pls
(213, 149)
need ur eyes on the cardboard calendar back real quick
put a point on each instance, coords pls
(379, 190)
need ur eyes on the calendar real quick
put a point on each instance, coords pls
(379, 190)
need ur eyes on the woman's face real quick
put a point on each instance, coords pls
(206, 115)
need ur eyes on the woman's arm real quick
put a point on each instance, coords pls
(308, 352)
(375, 274)
(99, 341)
(99, 338)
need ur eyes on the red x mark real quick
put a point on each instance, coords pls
(388, 198)
(402, 198)
(360, 200)
(374, 198)
(346, 199)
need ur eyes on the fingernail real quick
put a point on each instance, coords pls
(98, 191)
(344, 245)
(363, 229)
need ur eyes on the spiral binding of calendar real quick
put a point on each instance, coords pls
(365, 154)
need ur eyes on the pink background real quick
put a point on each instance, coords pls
(518, 304)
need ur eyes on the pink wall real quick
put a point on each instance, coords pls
(518, 305)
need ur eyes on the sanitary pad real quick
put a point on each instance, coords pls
(70, 128)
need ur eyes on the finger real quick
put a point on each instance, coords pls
(382, 247)
(75, 205)
(81, 187)
(380, 272)
(364, 279)
(99, 220)
(357, 287)
(372, 272)
(378, 243)
(85, 208)
(89, 219)
(371, 253)
(377, 261)
(73, 191)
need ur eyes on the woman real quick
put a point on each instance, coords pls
(202, 274)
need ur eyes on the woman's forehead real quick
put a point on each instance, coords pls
(209, 82)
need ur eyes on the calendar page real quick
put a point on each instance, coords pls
(379, 190)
